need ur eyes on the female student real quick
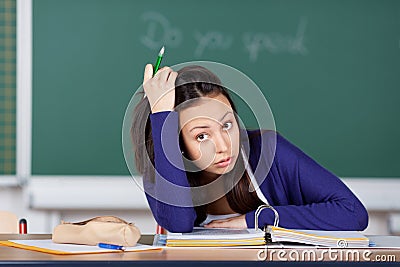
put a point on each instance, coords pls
(194, 169)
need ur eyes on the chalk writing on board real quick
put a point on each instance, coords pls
(275, 42)
(160, 32)
(211, 40)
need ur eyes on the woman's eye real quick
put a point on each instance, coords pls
(202, 137)
(227, 125)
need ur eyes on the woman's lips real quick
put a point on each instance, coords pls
(224, 163)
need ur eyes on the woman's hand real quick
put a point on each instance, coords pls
(160, 89)
(238, 222)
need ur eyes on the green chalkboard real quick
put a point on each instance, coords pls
(329, 69)
(8, 31)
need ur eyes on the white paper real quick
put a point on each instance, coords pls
(72, 248)
(200, 233)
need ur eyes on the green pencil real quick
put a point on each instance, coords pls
(159, 58)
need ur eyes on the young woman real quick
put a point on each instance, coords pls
(194, 168)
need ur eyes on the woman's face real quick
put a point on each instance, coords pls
(210, 134)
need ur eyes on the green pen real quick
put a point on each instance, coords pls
(159, 58)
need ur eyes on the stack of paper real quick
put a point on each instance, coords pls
(318, 238)
(216, 237)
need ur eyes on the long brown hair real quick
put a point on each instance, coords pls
(192, 82)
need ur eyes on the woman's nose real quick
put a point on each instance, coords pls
(222, 142)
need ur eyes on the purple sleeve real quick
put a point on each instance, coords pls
(306, 195)
(169, 196)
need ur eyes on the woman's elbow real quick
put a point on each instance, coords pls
(177, 227)
(362, 218)
(180, 228)
(176, 224)
(354, 216)
(357, 218)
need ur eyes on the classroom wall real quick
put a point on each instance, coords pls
(44, 221)
(45, 206)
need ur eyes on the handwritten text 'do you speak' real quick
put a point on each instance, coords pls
(159, 32)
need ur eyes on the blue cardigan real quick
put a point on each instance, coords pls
(306, 195)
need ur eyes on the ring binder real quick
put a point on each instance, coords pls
(258, 212)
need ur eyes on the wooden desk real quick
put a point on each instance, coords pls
(213, 256)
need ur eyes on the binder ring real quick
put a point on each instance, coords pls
(260, 209)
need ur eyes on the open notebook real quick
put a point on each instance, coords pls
(272, 234)
(317, 238)
(220, 237)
